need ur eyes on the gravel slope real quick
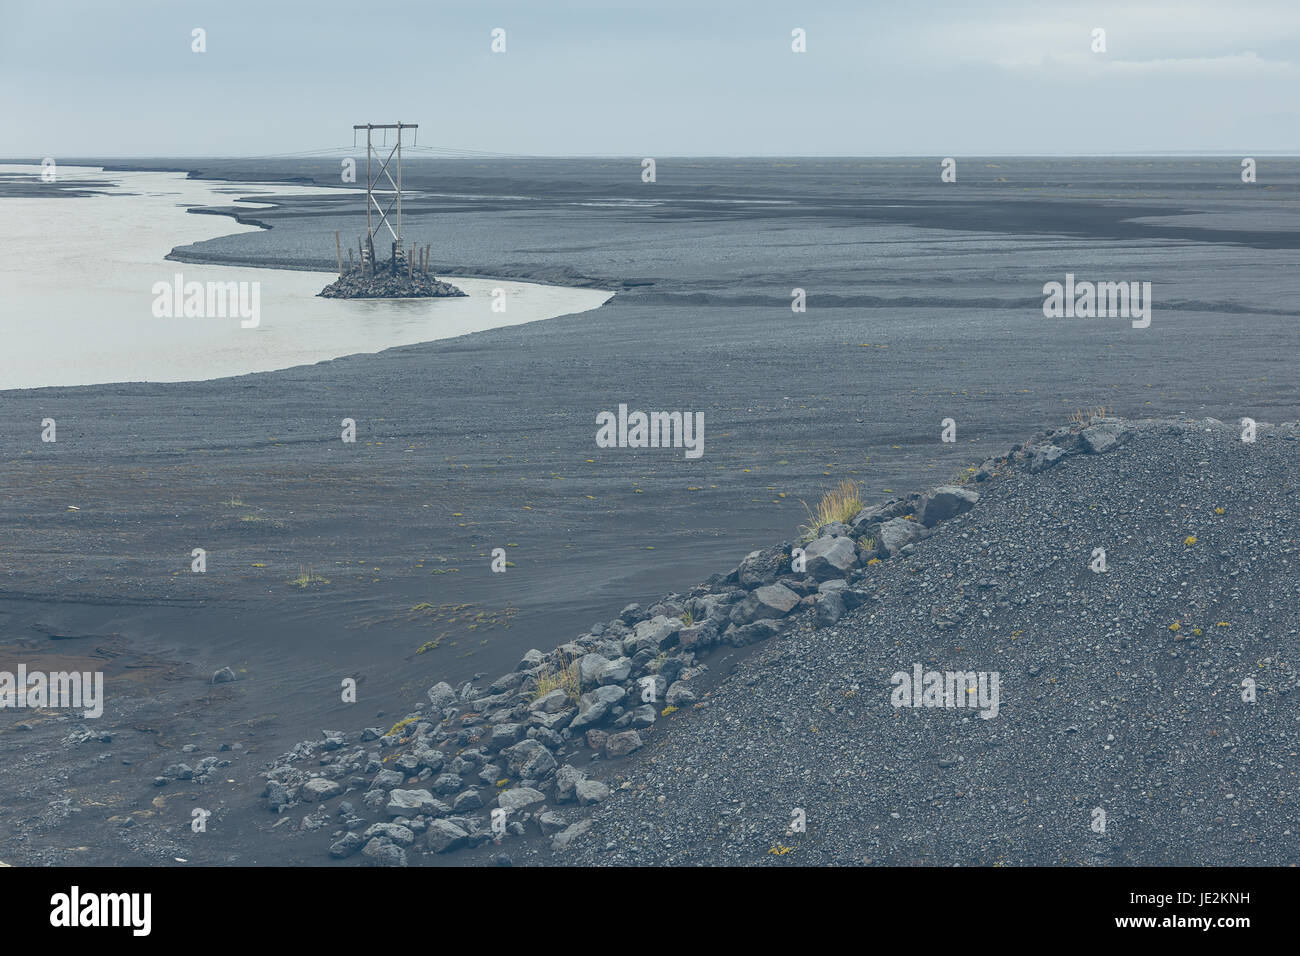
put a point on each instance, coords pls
(1102, 703)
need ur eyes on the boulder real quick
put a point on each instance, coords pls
(622, 744)
(764, 603)
(1101, 437)
(830, 607)
(410, 803)
(518, 798)
(1042, 457)
(442, 695)
(569, 834)
(594, 707)
(591, 791)
(830, 557)
(444, 836)
(382, 853)
(896, 533)
(945, 502)
(318, 788)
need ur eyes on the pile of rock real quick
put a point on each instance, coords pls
(433, 780)
(387, 284)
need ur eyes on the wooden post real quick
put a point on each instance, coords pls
(338, 248)
(410, 263)
(350, 266)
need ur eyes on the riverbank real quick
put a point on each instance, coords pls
(488, 441)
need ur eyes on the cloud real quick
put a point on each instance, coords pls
(1231, 64)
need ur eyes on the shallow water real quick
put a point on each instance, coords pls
(77, 298)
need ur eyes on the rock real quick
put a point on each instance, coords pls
(442, 695)
(854, 598)
(830, 557)
(550, 703)
(518, 798)
(529, 759)
(444, 836)
(593, 707)
(399, 834)
(589, 667)
(615, 671)
(393, 279)
(1103, 436)
(697, 636)
(829, 607)
(374, 800)
(318, 788)
(760, 568)
(895, 533)
(553, 722)
(384, 854)
(596, 739)
(409, 803)
(1042, 457)
(224, 676)
(752, 633)
(566, 782)
(657, 633)
(550, 822)
(622, 744)
(591, 791)
(429, 758)
(764, 603)
(347, 846)
(631, 614)
(947, 501)
(388, 779)
(445, 784)
(503, 735)
(466, 801)
(530, 660)
(569, 834)
(679, 695)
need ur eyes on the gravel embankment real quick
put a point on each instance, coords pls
(1108, 724)
(1103, 703)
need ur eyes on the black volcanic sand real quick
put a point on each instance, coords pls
(924, 302)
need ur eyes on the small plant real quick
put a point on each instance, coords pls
(688, 618)
(307, 578)
(563, 677)
(1086, 416)
(841, 503)
(400, 724)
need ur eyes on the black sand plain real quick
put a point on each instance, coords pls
(924, 303)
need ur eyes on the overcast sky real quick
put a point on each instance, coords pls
(651, 77)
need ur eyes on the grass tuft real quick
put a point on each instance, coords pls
(841, 503)
(563, 677)
(307, 578)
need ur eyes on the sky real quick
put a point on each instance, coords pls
(651, 78)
